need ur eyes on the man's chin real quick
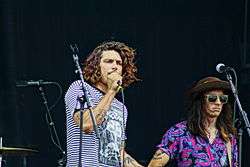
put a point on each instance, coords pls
(213, 115)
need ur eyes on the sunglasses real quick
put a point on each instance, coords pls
(213, 98)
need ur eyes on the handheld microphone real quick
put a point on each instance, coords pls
(221, 68)
(119, 83)
(32, 83)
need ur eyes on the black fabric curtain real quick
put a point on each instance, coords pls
(177, 42)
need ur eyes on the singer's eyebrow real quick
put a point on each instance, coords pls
(108, 60)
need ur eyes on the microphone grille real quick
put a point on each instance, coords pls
(219, 66)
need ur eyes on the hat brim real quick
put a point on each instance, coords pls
(215, 85)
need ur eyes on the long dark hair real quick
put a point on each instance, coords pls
(196, 117)
(92, 71)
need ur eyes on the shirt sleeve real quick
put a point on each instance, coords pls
(72, 96)
(170, 143)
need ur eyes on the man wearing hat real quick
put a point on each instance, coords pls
(207, 137)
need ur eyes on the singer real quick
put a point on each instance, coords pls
(207, 137)
(108, 67)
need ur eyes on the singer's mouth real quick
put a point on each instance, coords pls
(216, 110)
(111, 72)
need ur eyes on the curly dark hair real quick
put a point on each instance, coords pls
(92, 72)
(196, 117)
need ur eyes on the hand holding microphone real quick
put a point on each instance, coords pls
(119, 85)
(114, 81)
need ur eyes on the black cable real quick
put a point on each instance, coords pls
(51, 126)
(59, 97)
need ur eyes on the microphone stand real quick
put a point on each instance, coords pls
(61, 161)
(242, 112)
(75, 58)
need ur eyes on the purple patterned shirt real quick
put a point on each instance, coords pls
(189, 150)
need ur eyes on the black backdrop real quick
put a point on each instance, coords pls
(177, 42)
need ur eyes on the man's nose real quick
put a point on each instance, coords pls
(114, 65)
(218, 101)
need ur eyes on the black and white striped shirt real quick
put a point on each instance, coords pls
(95, 153)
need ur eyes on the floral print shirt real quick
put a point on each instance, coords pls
(189, 150)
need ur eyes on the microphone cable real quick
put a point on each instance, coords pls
(52, 129)
(124, 125)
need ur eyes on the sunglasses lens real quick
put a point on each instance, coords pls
(211, 98)
(223, 98)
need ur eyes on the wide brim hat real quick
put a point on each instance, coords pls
(207, 84)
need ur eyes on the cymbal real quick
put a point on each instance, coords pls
(17, 151)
